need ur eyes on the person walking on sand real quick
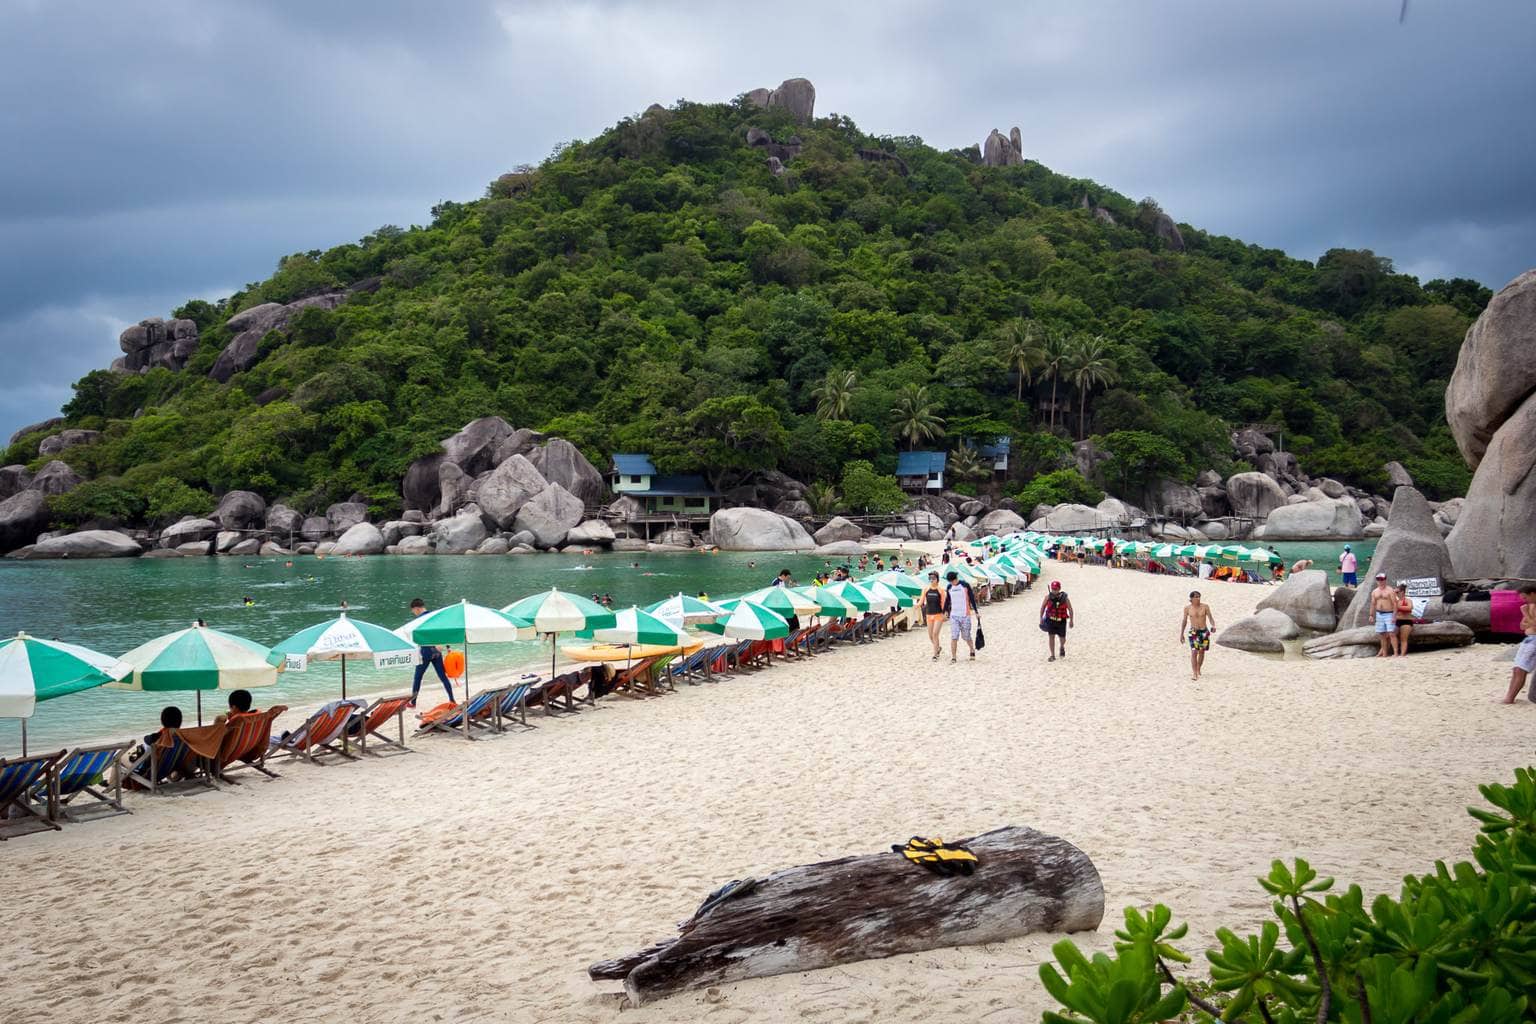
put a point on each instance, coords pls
(430, 656)
(1525, 654)
(933, 613)
(1199, 620)
(960, 609)
(1056, 616)
(1384, 611)
(1348, 567)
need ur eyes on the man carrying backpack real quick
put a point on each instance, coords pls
(1056, 617)
(960, 608)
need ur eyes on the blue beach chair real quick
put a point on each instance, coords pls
(480, 710)
(79, 774)
(19, 779)
(514, 704)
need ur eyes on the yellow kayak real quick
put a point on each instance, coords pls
(625, 652)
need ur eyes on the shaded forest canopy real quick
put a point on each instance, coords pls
(661, 289)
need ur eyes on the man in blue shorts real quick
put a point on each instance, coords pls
(1348, 567)
(1384, 614)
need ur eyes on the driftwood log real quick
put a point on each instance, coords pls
(863, 908)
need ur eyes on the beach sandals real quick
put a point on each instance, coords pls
(938, 856)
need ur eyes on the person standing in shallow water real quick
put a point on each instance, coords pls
(1199, 620)
(1349, 567)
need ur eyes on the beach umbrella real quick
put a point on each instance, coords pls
(347, 639)
(686, 610)
(750, 621)
(464, 624)
(33, 669)
(881, 589)
(1165, 551)
(863, 598)
(785, 600)
(636, 626)
(1207, 551)
(1260, 555)
(828, 603)
(198, 659)
(555, 611)
(900, 581)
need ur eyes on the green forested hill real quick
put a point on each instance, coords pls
(660, 288)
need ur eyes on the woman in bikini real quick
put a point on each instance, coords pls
(933, 612)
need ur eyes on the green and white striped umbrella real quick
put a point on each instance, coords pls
(1165, 551)
(786, 601)
(1206, 551)
(555, 611)
(198, 659)
(862, 597)
(881, 589)
(33, 669)
(347, 639)
(465, 624)
(637, 626)
(750, 621)
(1260, 555)
(686, 610)
(829, 604)
(900, 581)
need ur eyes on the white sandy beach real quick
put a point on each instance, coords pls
(476, 882)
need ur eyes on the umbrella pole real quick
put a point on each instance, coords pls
(199, 694)
(344, 745)
(23, 737)
(466, 692)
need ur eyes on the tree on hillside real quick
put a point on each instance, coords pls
(834, 394)
(1055, 351)
(964, 464)
(1023, 351)
(1089, 366)
(913, 416)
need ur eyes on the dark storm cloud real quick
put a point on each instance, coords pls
(155, 152)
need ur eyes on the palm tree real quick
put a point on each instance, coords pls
(1053, 360)
(822, 497)
(965, 464)
(1089, 366)
(1023, 352)
(835, 394)
(914, 418)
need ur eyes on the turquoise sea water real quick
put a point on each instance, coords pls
(114, 605)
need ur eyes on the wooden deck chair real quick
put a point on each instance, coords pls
(168, 755)
(480, 710)
(319, 733)
(631, 681)
(373, 721)
(80, 773)
(557, 695)
(19, 779)
(514, 704)
(247, 743)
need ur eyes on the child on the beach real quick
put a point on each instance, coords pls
(1199, 620)
(1525, 654)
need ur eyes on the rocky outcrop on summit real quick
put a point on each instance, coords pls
(55, 443)
(1491, 408)
(251, 325)
(796, 95)
(154, 343)
(1164, 227)
(1001, 150)
(36, 428)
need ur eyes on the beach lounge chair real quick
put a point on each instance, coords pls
(321, 732)
(79, 774)
(692, 666)
(558, 695)
(169, 754)
(247, 743)
(373, 721)
(634, 681)
(480, 710)
(19, 779)
(514, 704)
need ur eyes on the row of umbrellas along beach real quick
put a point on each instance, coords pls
(200, 658)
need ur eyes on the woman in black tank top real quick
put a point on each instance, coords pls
(933, 612)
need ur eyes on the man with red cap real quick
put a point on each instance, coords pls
(1056, 617)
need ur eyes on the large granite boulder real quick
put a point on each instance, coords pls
(418, 545)
(1000, 522)
(396, 529)
(272, 549)
(55, 443)
(344, 515)
(249, 546)
(453, 489)
(1254, 495)
(1328, 519)
(241, 510)
(1306, 601)
(51, 423)
(757, 529)
(508, 488)
(837, 529)
(282, 521)
(560, 462)
(473, 448)
(1068, 519)
(840, 548)
(1164, 227)
(1361, 642)
(1397, 476)
(188, 531)
(943, 508)
(419, 489)
(592, 533)
(14, 480)
(920, 524)
(998, 151)
(155, 343)
(224, 541)
(1264, 632)
(521, 441)
(795, 508)
(1117, 512)
(249, 326)
(315, 529)
(454, 535)
(88, 544)
(22, 517)
(1411, 548)
(56, 478)
(1491, 408)
(796, 95)
(1172, 498)
(1214, 503)
(360, 539)
(550, 515)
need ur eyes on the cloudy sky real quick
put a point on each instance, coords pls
(156, 151)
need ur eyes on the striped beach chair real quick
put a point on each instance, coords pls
(373, 721)
(85, 773)
(169, 754)
(321, 732)
(514, 704)
(247, 743)
(480, 710)
(19, 779)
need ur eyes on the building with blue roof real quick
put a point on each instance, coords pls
(921, 471)
(995, 450)
(664, 495)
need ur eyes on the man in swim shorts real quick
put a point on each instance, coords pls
(1384, 613)
(960, 609)
(1199, 620)
(1525, 654)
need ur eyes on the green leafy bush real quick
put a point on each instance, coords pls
(1456, 946)
(1059, 487)
(866, 491)
(96, 499)
(168, 499)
